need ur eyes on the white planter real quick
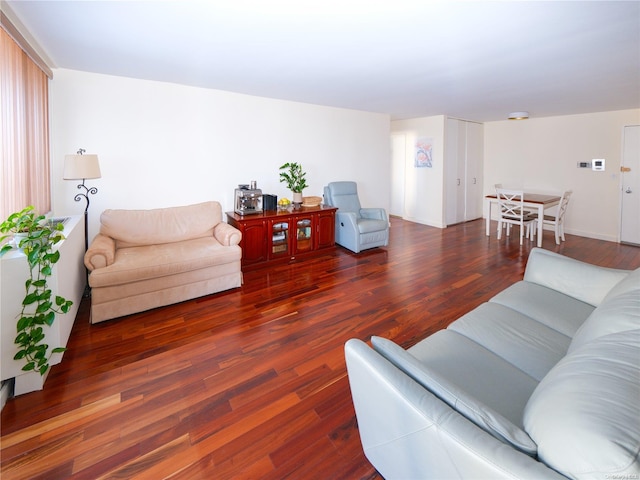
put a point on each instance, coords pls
(297, 197)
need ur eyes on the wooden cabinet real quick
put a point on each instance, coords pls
(284, 236)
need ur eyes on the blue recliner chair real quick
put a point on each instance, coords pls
(357, 228)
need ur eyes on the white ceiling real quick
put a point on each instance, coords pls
(477, 60)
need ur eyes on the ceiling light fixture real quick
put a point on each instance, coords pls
(518, 115)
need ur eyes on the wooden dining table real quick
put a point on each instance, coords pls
(537, 201)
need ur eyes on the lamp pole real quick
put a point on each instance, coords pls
(77, 198)
(82, 167)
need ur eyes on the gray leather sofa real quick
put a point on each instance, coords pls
(542, 381)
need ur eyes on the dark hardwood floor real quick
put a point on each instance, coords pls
(251, 383)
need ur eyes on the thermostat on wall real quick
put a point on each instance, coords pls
(597, 164)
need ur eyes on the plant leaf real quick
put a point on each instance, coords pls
(30, 298)
(49, 318)
(29, 367)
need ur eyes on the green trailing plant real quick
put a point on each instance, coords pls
(35, 236)
(293, 176)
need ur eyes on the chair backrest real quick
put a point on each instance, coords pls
(343, 195)
(562, 208)
(511, 203)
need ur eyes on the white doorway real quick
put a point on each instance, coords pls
(630, 182)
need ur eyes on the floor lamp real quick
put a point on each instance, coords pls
(82, 167)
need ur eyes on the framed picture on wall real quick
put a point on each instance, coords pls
(424, 152)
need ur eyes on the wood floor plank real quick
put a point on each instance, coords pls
(251, 383)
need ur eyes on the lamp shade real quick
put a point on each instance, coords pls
(79, 167)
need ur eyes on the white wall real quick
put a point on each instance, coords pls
(163, 144)
(541, 154)
(423, 187)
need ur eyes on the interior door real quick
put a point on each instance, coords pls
(474, 149)
(630, 180)
(455, 151)
(398, 160)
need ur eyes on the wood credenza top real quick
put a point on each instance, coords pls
(291, 211)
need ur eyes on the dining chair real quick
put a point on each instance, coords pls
(512, 212)
(556, 222)
(526, 211)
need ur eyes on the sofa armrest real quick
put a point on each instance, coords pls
(584, 281)
(374, 213)
(226, 234)
(101, 252)
(407, 432)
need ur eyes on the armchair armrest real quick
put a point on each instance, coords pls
(101, 252)
(347, 218)
(374, 213)
(227, 234)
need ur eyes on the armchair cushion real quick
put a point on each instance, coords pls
(344, 195)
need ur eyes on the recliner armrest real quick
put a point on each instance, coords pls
(375, 213)
(101, 252)
(227, 234)
(347, 218)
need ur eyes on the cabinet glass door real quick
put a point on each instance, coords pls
(280, 239)
(304, 235)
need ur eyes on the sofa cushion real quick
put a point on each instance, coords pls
(457, 390)
(583, 281)
(162, 225)
(585, 414)
(630, 282)
(524, 342)
(152, 261)
(617, 314)
(554, 309)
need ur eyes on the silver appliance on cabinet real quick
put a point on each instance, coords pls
(248, 199)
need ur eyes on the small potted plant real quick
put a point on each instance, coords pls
(35, 236)
(294, 177)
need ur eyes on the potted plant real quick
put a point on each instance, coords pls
(35, 236)
(294, 177)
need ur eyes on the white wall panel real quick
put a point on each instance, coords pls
(541, 154)
(163, 144)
